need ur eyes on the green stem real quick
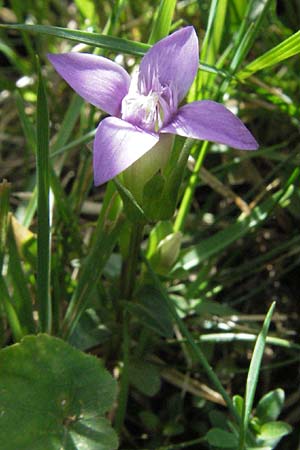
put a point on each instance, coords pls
(128, 277)
(185, 444)
(189, 192)
(124, 384)
(130, 263)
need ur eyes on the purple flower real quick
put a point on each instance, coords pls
(147, 105)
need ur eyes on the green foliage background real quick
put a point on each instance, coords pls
(208, 276)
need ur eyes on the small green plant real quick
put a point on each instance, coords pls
(140, 252)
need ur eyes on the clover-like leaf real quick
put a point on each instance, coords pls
(270, 406)
(221, 438)
(54, 397)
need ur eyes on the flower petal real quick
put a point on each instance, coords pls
(174, 60)
(117, 145)
(211, 121)
(101, 82)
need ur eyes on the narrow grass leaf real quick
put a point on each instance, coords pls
(289, 47)
(114, 19)
(212, 39)
(21, 294)
(220, 338)
(91, 272)
(253, 374)
(65, 211)
(27, 126)
(20, 10)
(43, 209)
(20, 64)
(12, 317)
(5, 299)
(162, 20)
(5, 188)
(250, 26)
(84, 139)
(87, 9)
(213, 245)
(114, 44)
(68, 124)
(30, 136)
(65, 131)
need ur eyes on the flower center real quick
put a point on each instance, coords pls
(144, 111)
(148, 104)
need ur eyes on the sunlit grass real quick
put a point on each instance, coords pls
(238, 215)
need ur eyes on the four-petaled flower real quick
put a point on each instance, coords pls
(147, 106)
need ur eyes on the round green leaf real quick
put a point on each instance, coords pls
(221, 439)
(274, 430)
(53, 397)
(145, 377)
(270, 406)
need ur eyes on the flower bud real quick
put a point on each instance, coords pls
(163, 247)
(145, 168)
(167, 252)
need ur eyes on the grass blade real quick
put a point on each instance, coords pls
(253, 374)
(43, 209)
(67, 126)
(21, 295)
(249, 29)
(162, 20)
(289, 47)
(93, 265)
(68, 123)
(212, 39)
(5, 299)
(4, 209)
(11, 314)
(114, 44)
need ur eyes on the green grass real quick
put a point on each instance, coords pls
(180, 329)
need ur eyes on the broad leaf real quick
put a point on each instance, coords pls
(221, 438)
(145, 377)
(53, 397)
(270, 406)
(152, 312)
(274, 430)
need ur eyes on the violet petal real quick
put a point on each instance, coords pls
(174, 60)
(211, 121)
(100, 81)
(117, 145)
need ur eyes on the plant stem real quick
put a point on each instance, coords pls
(130, 264)
(124, 384)
(189, 192)
(126, 290)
